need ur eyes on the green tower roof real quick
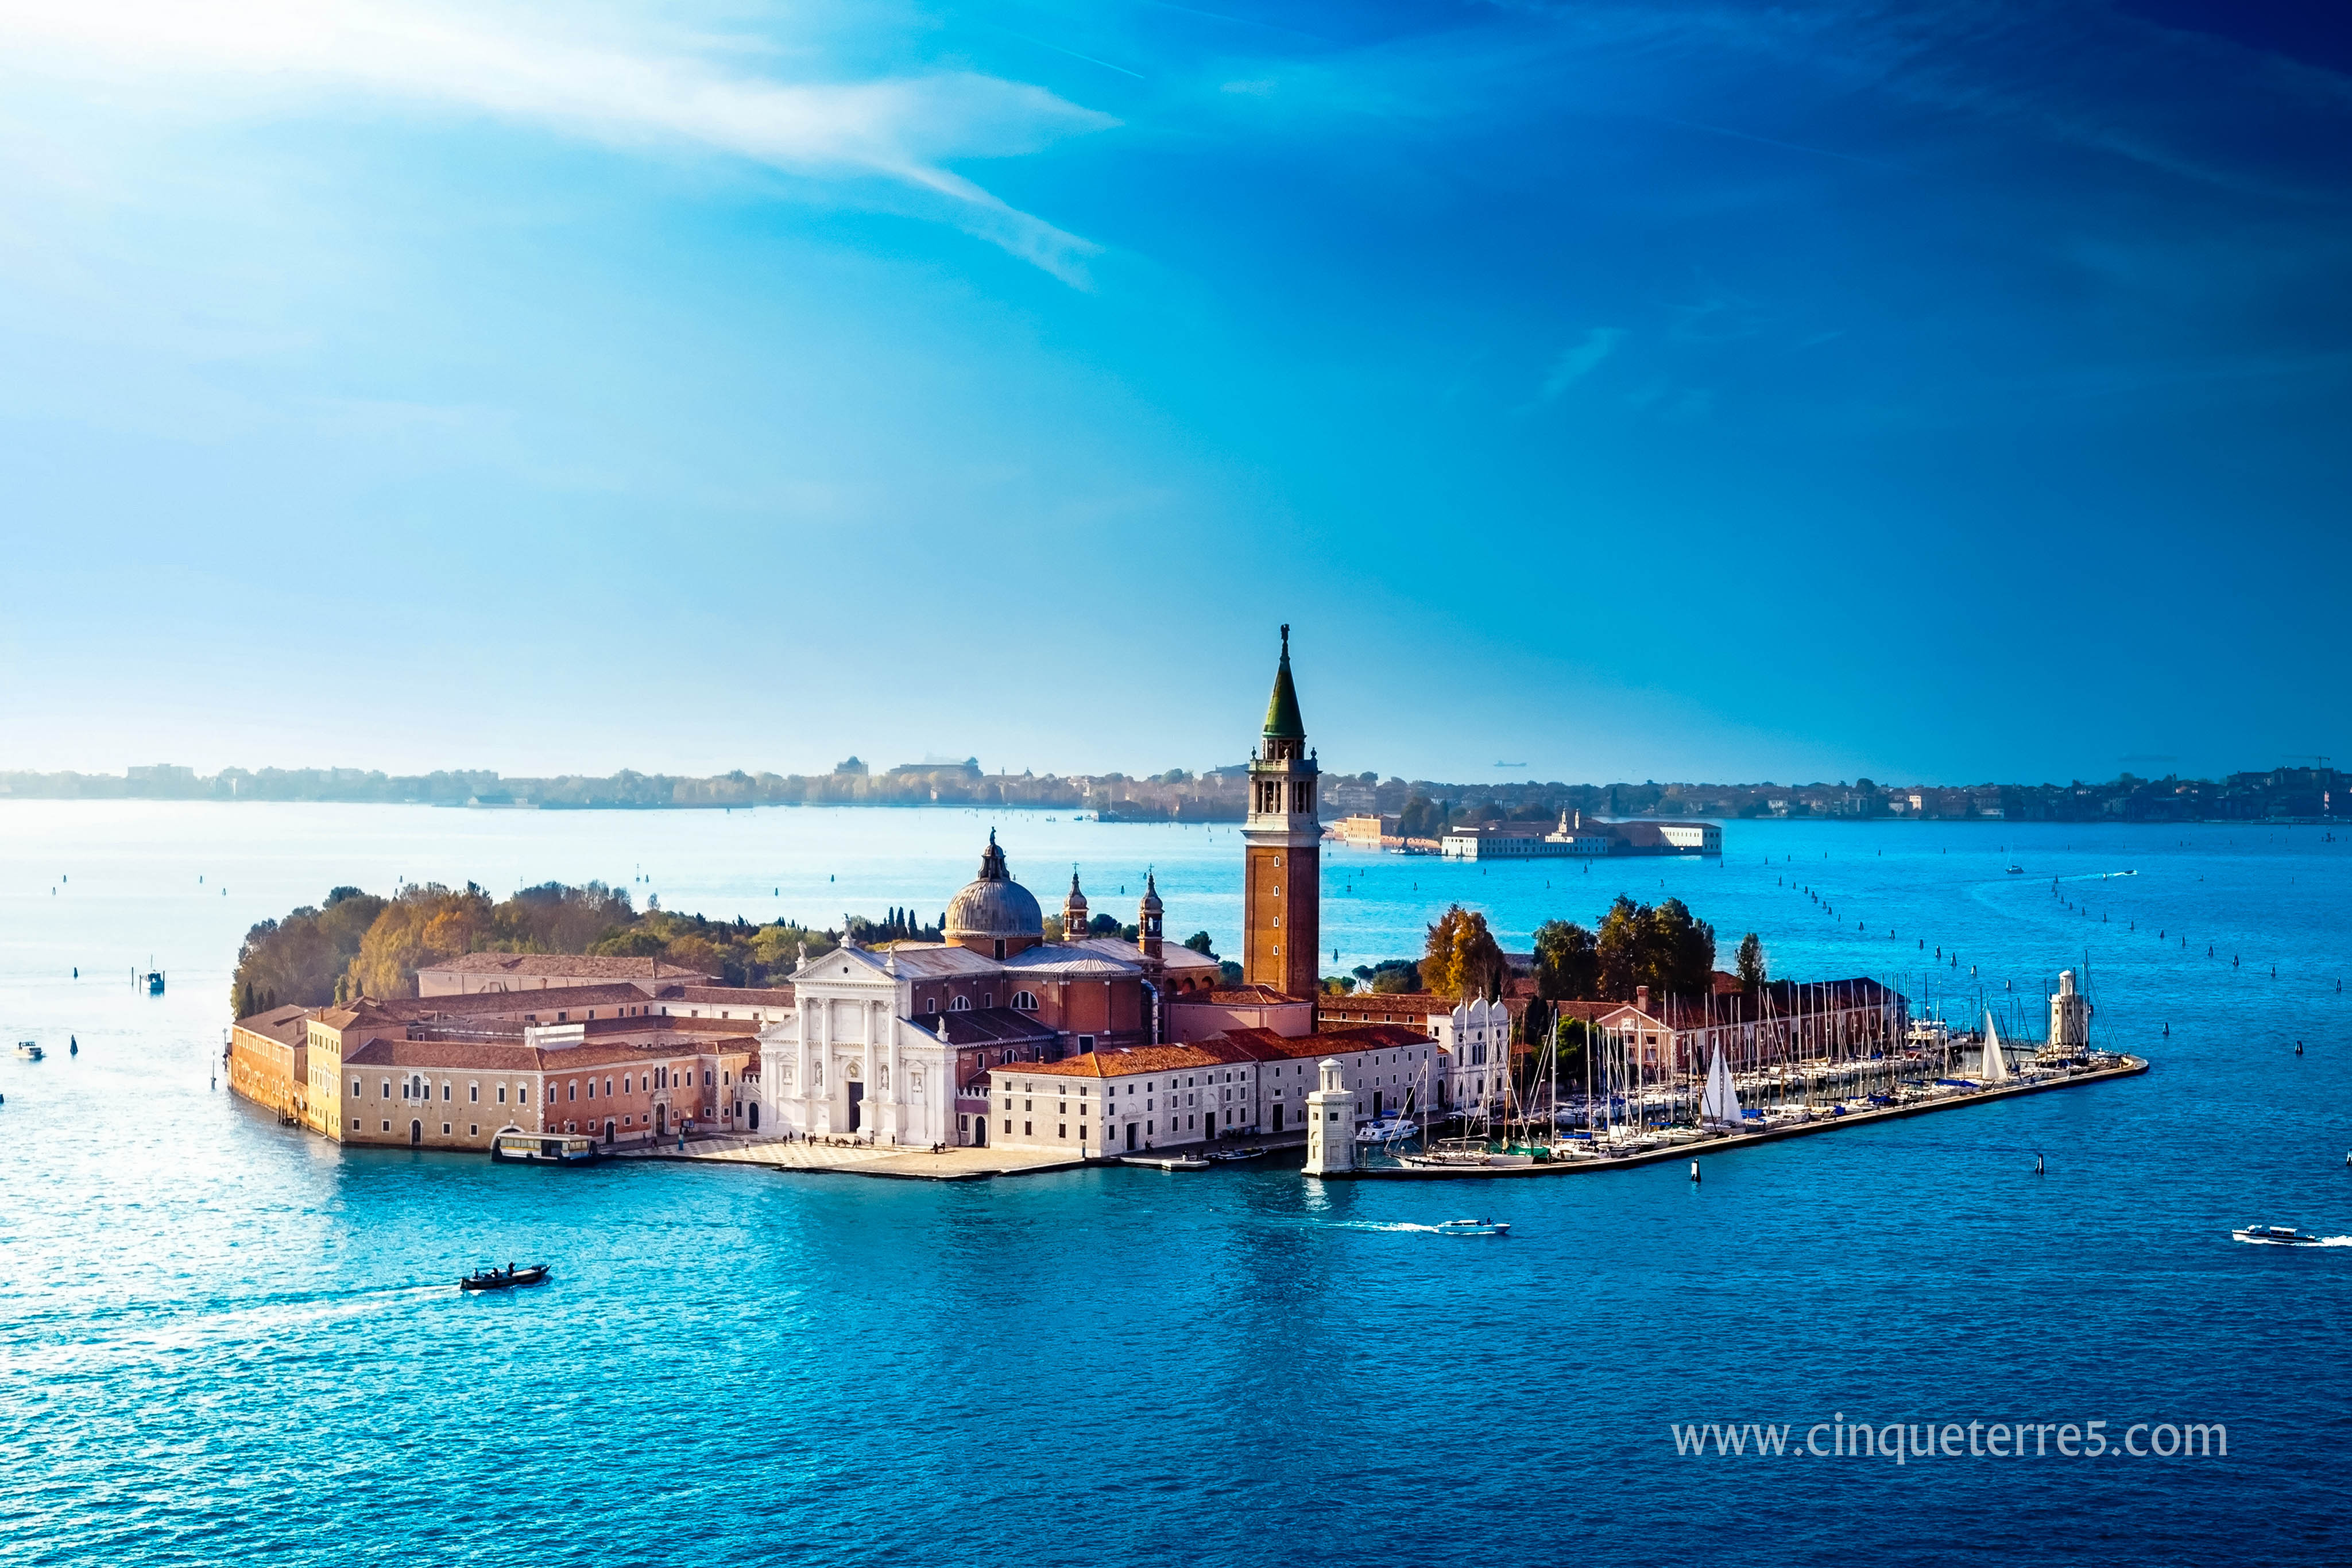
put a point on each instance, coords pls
(1282, 720)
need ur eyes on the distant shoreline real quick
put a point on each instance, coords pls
(1129, 818)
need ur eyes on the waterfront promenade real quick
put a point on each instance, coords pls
(822, 1158)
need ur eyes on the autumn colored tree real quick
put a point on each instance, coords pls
(423, 925)
(300, 960)
(1462, 958)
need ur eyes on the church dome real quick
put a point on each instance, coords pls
(992, 904)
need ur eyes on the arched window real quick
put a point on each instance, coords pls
(960, 1005)
(1024, 1001)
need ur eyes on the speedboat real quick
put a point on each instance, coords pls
(505, 1279)
(1474, 1227)
(2277, 1236)
(1387, 1131)
(1166, 1162)
(2017, 871)
(29, 1051)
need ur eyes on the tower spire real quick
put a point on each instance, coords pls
(1282, 718)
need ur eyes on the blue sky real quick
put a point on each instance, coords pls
(1651, 391)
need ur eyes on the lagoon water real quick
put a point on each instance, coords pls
(220, 1339)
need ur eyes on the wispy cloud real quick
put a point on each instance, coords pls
(1580, 359)
(905, 130)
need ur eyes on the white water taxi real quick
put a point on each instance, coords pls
(2277, 1236)
(1474, 1227)
(514, 1146)
(1387, 1131)
(1166, 1162)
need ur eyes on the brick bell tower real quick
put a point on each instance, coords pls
(1282, 888)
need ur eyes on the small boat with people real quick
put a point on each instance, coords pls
(505, 1279)
(29, 1050)
(2277, 1236)
(1474, 1227)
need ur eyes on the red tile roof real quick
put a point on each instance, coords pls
(286, 1026)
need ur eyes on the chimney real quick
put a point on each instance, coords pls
(1641, 997)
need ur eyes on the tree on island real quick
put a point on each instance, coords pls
(1568, 964)
(1663, 948)
(1752, 973)
(1462, 958)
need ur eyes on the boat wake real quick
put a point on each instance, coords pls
(1381, 1225)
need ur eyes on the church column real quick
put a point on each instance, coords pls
(898, 1098)
(801, 1120)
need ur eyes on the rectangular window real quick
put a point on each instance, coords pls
(387, 1088)
(1008, 1125)
(1062, 1131)
(472, 1094)
(1024, 1130)
(355, 1088)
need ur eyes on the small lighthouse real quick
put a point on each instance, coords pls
(1330, 1125)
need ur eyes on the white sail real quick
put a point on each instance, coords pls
(1995, 1065)
(1720, 1103)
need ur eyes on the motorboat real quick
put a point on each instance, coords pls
(1235, 1156)
(2277, 1236)
(1167, 1162)
(505, 1279)
(2016, 870)
(1387, 1131)
(1474, 1227)
(27, 1050)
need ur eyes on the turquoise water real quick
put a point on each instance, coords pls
(222, 1339)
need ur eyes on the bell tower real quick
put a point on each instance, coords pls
(1282, 888)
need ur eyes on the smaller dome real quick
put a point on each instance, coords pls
(993, 905)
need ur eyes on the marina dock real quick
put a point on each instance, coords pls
(1724, 1143)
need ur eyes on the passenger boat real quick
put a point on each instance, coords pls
(1167, 1162)
(2277, 1236)
(1386, 1132)
(512, 1145)
(505, 1279)
(1474, 1227)
(29, 1051)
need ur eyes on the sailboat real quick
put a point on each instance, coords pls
(1719, 1105)
(1995, 1065)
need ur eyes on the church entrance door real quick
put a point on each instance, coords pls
(856, 1105)
(661, 1119)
